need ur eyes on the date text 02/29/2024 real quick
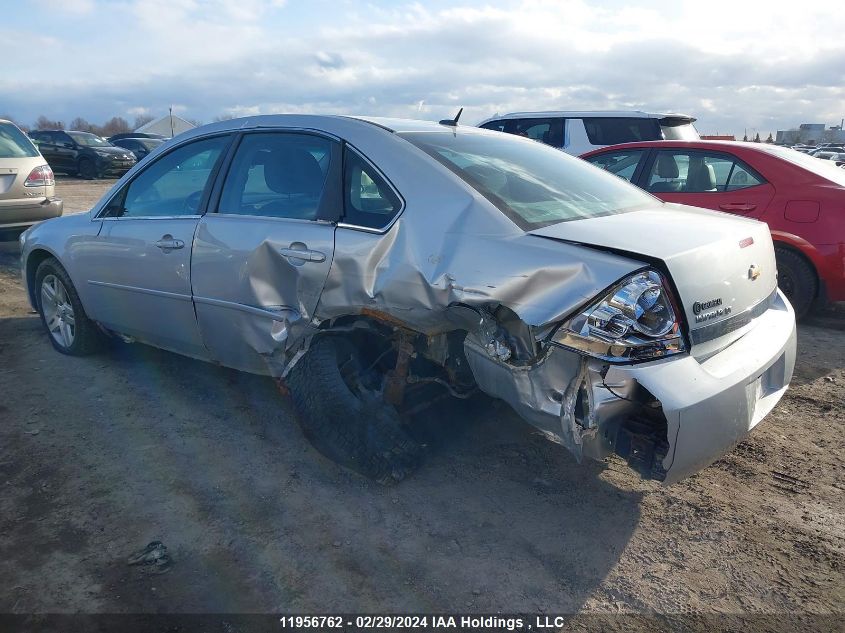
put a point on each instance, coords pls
(429, 622)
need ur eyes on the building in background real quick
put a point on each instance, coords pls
(811, 134)
(169, 126)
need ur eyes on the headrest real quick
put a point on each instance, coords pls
(666, 166)
(293, 170)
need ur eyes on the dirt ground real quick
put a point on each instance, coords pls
(101, 455)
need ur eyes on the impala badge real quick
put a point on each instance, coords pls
(753, 272)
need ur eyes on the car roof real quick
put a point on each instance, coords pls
(714, 145)
(575, 114)
(407, 125)
(330, 123)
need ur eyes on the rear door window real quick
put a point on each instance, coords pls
(679, 171)
(14, 143)
(546, 130)
(622, 164)
(497, 126)
(279, 175)
(613, 130)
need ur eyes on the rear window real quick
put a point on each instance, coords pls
(613, 130)
(824, 168)
(531, 183)
(14, 143)
(677, 129)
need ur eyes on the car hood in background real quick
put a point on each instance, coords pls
(721, 265)
(116, 151)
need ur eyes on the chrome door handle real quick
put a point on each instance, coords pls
(168, 243)
(301, 252)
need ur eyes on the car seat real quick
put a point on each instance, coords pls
(667, 169)
(700, 176)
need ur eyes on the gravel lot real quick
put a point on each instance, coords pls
(99, 456)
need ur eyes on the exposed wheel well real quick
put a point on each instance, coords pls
(788, 247)
(32, 262)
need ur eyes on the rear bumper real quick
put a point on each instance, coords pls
(711, 405)
(16, 214)
(708, 405)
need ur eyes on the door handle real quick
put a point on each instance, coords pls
(301, 252)
(737, 206)
(168, 243)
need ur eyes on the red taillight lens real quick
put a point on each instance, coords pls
(41, 176)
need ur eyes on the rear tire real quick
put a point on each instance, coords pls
(797, 280)
(87, 170)
(70, 330)
(350, 425)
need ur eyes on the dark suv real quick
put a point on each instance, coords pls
(140, 147)
(82, 153)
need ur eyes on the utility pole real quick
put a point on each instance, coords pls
(170, 110)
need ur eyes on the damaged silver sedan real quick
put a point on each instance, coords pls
(374, 264)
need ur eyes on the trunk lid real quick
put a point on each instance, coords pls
(722, 266)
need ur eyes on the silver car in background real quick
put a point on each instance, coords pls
(27, 186)
(376, 264)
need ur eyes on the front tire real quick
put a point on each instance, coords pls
(87, 169)
(797, 280)
(346, 420)
(71, 331)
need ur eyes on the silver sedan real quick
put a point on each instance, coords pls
(374, 264)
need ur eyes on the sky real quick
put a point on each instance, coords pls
(736, 65)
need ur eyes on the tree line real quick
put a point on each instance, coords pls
(115, 125)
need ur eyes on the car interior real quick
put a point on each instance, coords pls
(668, 177)
(276, 178)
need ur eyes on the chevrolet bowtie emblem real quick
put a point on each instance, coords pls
(753, 272)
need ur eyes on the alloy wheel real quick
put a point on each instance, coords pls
(58, 311)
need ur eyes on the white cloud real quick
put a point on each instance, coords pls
(68, 6)
(735, 64)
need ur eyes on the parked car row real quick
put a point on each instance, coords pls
(825, 151)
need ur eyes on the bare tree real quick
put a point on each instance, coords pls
(115, 125)
(80, 124)
(9, 117)
(141, 120)
(43, 123)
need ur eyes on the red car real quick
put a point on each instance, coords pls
(801, 198)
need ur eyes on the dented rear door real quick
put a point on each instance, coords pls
(261, 258)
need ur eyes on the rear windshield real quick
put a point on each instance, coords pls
(678, 129)
(533, 184)
(150, 143)
(825, 168)
(14, 143)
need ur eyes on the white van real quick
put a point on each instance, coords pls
(579, 132)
